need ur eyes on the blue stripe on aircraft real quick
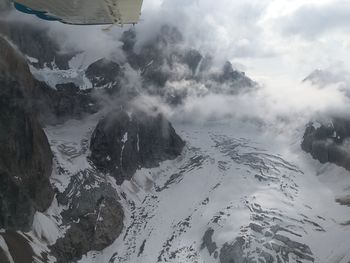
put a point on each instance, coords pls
(40, 14)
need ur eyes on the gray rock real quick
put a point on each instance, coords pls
(295, 246)
(208, 241)
(160, 57)
(256, 227)
(51, 106)
(237, 80)
(3, 257)
(25, 154)
(105, 74)
(328, 143)
(123, 142)
(233, 253)
(345, 200)
(67, 101)
(192, 59)
(35, 41)
(19, 247)
(94, 215)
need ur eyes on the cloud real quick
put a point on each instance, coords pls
(276, 41)
(94, 40)
(312, 20)
(334, 77)
(228, 27)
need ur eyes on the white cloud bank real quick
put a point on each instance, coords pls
(278, 42)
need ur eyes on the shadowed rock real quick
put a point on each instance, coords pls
(25, 154)
(94, 214)
(329, 142)
(230, 253)
(124, 142)
(67, 101)
(35, 42)
(208, 241)
(104, 74)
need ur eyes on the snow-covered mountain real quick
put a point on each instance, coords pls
(333, 78)
(231, 195)
(132, 181)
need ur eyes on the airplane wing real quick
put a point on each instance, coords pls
(83, 12)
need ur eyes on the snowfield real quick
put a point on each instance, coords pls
(236, 190)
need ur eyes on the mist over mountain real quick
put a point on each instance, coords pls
(152, 144)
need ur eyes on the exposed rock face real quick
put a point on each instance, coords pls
(13, 68)
(25, 155)
(25, 165)
(164, 60)
(65, 102)
(284, 248)
(234, 252)
(329, 142)
(345, 200)
(35, 42)
(322, 78)
(51, 105)
(104, 74)
(233, 77)
(19, 248)
(94, 214)
(123, 142)
(209, 243)
(3, 257)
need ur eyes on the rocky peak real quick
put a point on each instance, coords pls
(169, 35)
(321, 77)
(329, 142)
(126, 141)
(93, 213)
(234, 78)
(192, 59)
(25, 155)
(164, 59)
(129, 39)
(35, 42)
(104, 73)
(13, 67)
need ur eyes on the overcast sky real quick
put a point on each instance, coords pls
(271, 39)
(276, 42)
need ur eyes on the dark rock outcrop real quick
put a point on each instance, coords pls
(35, 41)
(284, 248)
(25, 154)
(157, 57)
(233, 252)
(52, 105)
(329, 142)
(94, 214)
(237, 80)
(209, 243)
(104, 74)
(66, 102)
(345, 200)
(19, 248)
(164, 59)
(124, 142)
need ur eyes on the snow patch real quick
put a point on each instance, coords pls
(45, 229)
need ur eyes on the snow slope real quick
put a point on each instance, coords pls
(233, 182)
(239, 191)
